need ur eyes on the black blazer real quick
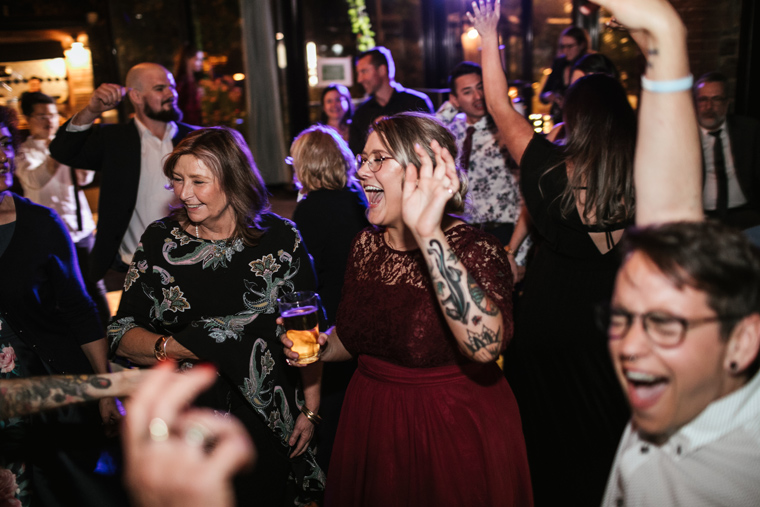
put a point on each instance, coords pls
(744, 134)
(115, 151)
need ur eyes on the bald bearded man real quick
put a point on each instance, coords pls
(129, 156)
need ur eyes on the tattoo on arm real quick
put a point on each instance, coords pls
(479, 296)
(485, 343)
(26, 396)
(456, 306)
(650, 53)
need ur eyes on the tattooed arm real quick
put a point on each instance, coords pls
(667, 165)
(476, 322)
(20, 397)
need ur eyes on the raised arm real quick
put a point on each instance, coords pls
(515, 130)
(474, 318)
(667, 166)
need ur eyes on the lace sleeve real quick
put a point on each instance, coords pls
(487, 264)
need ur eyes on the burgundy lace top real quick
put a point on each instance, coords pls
(389, 309)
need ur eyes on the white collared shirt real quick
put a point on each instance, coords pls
(714, 460)
(153, 198)
(736, 197)
(47, 182)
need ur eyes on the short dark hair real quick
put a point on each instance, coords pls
(380, 55)
(711, 77)
(30, 99)
(226, 154)
(463, 69)
(596, 63)
(708, 256)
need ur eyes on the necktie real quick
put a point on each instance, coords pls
(76, 198)
(719, 161)
(467, 149)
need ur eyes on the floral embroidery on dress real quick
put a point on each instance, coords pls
(7, 359)
(8, 489)
(213, 254)
(173, 301)
(265, 268)
(166, 278)
(229, 327)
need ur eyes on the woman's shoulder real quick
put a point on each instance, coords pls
(31, 211)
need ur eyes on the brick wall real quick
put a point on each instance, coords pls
(713, 39)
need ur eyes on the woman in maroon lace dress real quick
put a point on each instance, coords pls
(428, 418)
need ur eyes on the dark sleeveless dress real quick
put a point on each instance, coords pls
(421, 424)
(572, 407)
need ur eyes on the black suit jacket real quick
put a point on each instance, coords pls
(115, 151)
(744, 136)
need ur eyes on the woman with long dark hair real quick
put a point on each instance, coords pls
(580, 198)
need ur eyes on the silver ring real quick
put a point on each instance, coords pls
(197, 435)
(159, 431)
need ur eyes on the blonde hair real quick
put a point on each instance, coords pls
(322, 159)
(399, 133)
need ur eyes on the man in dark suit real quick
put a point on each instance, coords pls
(730, 154)
(130, 158)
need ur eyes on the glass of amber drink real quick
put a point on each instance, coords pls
(300, 313)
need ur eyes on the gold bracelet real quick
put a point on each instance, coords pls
(159, 349)
(311, 416)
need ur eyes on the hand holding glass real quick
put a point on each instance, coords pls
(300, 315)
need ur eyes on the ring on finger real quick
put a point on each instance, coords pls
(197, 435)
(159, 430)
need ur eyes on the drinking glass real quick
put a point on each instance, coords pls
(300, 314)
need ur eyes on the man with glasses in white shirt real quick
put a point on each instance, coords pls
(684, 334)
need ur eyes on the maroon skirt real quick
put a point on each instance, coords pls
(449, 435)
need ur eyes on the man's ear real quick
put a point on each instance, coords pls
(383, 70)
(453, 100)
(743, 345)
(134, 96)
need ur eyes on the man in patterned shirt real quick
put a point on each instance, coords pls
(494, 194)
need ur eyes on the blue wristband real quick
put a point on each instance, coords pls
(672, 86)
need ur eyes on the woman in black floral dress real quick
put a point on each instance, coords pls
(203, 286)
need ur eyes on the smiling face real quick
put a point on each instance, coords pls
(335, 105)
(370, 77)
(156, 94)
(201, 194)
(43, 122)
(383, 188)
(666, 386)
(712, 104)
(469, 97)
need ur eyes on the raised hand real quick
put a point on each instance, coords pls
(654, 16)
(485, 17)
(106, 97)
(176, 455)
(425, 194)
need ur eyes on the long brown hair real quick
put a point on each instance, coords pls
(600, 142)
(226, 154)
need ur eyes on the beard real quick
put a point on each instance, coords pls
(171, 114)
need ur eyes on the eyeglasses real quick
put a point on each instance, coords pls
(374, 164)
(662, 328)
(718, 101)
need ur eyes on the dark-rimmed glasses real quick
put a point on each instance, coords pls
(375, 163)
(664, 329)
